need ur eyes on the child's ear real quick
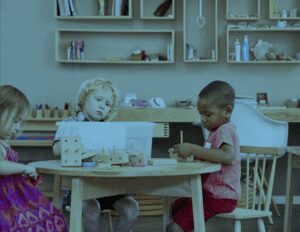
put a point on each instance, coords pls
(228, 110)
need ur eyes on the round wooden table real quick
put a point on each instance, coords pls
(183, 179)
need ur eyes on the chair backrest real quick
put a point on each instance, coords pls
(257, 182)
(255, 129)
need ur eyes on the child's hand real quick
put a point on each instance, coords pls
(184, 149)
(31, 171)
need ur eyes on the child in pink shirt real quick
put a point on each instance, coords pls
(221, 190)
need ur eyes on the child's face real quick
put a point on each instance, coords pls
(212, 116)
(13, 127)
(98, 104)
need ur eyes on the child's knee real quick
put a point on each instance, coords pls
(127, 207)
(91, 209)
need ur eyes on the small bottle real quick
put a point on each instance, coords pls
(237, 50)
(245, 49)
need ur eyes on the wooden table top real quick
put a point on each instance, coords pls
(181, 169)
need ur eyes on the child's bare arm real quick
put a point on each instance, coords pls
(56, 148)
(222, 155)
(9, 168)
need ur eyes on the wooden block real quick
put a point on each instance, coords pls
(115, 157)
(137, 160)
(162, 161)
(178, 158)
(70, 152)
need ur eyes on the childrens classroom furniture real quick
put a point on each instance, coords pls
(89, 183)
(262, 141)
(293, 162)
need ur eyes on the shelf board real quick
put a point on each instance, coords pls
(230, 29)
(243, 19)
(290, 18)
(114, 62)
(201, 61)
(171, 17)
(265, 62)
(30, 143)
(93, 17)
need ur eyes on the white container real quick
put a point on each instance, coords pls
(237, 50)
(96, 136)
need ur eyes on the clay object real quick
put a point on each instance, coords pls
(162, 8)
(261, 49)
(271, 56)
(282, 56)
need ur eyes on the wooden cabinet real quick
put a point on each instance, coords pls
(200, 31)
(104, 46)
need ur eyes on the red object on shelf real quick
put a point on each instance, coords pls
(162, 8)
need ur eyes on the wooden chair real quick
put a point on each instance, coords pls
(256, 199)
(262, 141)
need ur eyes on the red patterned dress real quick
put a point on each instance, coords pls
(23, 207)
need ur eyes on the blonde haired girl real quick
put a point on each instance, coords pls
(22, 206)
(96, 101)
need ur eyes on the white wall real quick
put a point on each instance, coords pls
(27, 61)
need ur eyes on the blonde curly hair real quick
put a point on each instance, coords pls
(92, 84)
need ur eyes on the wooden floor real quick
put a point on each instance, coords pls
(154, 224)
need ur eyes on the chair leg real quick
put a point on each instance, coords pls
(237, 226)
(261, 225)
(107, 214)
(109, 221)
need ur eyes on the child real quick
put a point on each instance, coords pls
(96, 101)
(221, 189)
(22, 206)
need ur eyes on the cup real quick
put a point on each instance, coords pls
(297, 55)
(281, 23)
(283, 13)
(293, 13)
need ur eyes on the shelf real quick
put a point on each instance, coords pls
(148, 7)
(30, 143)
(98, 50)
(243, 10)
(89, 10)
(205, 50)
(284, 40)
(284, 10)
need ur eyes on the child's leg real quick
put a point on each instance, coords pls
(128, 209)
(211, 206)
(91, 211)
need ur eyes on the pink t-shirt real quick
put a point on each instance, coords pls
(225, 184)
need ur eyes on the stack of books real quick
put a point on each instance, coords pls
(67, 8)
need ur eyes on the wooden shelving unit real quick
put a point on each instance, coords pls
(284, 40)
(148, 7)
(89, 10)
(203, 39)
(99, 50)
(241, 10)
(275, 8)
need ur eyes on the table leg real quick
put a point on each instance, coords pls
(197, 199)
(167, 201)
(76, 205)
(57, 196)
(288, 195)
